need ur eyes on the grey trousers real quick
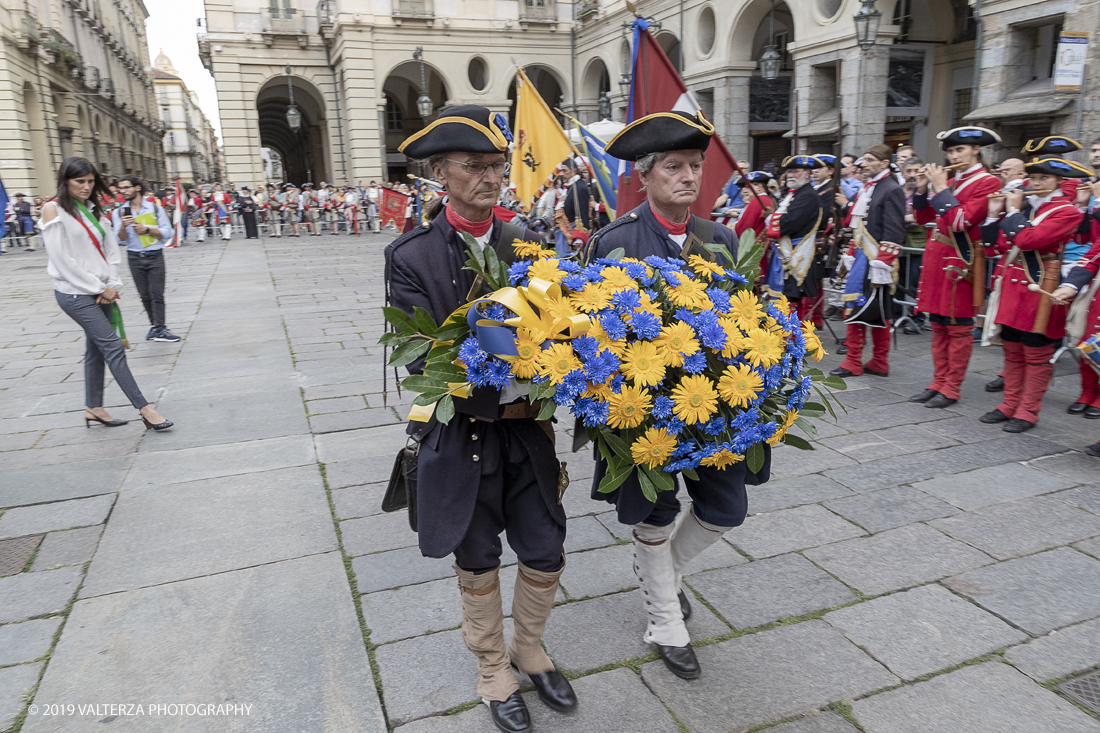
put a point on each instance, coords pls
(103, 345)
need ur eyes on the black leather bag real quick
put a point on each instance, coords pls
(401, 490)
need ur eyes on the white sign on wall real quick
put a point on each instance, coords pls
(1069, 63)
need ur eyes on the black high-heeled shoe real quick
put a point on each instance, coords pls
(159, 426)
(101, 421)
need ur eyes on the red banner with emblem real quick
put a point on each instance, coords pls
(392, 207)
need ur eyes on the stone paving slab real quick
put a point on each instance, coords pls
(36, 594)
(613, 628)
(424, 608)
(1077, 466)
(899, 470)
(27, 641)
(71, 547)
(796, 491)
(152, 470)
(63, 481)
(1059, 653)
(378, 444)
(881, 510)
(896, 559)
(820, 723)
(1006, 449)
(615, 700)
(986, 698)
(922, 630)
(788, 461)
(1038, 593)
(599, 572)
(767, 676)
(413, 689)
(407, 566)
(14, 683)
(1021, 527)
(1092, 547)
(993, 485)
(235, 637)
(198, 528)
(767, 590)
(211, 421)
(56, 515)
(377, 533)
(879, 444)
(1086, 497)
(358, 501)
(786, 530)
(342, 474)
(586, 533)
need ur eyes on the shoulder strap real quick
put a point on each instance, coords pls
(1038, 219)
(703, 228)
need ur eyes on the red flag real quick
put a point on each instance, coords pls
(392, 208)
(656, 87)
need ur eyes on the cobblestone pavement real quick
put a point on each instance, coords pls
(919, 571)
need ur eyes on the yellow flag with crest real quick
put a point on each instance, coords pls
(540, 143)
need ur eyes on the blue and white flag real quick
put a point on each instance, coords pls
(605, 169)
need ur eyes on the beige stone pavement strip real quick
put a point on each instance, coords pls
(219, 576)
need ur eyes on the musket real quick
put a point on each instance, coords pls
(833, 255)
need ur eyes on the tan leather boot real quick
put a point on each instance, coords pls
(531, 605)
(483, 632)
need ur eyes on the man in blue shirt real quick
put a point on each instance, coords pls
(849, 183)
(146, 258)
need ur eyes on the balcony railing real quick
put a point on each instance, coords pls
(326, 14)
(26, 29)
(283, 21)
(413, 9)
(585, 8)
(538, 11)
(57, 46)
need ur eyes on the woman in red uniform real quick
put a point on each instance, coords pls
(958, 208)
(1032, 237)
(755, 214)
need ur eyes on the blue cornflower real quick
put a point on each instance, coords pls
(636, 270)
(773, 377)
(596, 414)
(471, 354)
(575, 281)
(617, 383)
(736, 277)
(626, 300)
(715, 426)
(662, 407)
(498, 372)
(574, 383)
(646, 325)
(720, 298)
(518, 271)
(673, 425)
(569, 266)
(685, 447)
(691, 319)
(585, 346)
(592, 272)
(713, 336)
(695, 363)
(600, 368)
(613, 326)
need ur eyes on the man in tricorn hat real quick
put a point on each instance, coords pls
(793, 229)
(667, 150)
(493, 467)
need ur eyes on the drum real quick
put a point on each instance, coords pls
(1090, 351)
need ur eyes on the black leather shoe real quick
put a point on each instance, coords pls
(681, 661)
(511, 715)
(842, 349)
(554, 690)
(992, 417)
(685, 607)
(1093, 450)
(1093, 413)
(910, 329)
(996, 385)
(1018, 425)
(940, 401)
(841, 372)
(924, 396)
(874, 373)
(1077, 408)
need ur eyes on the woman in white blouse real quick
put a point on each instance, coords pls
(84, 258)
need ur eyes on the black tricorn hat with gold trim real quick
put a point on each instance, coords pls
(1057, 167)
(808, 162)
(1051, 145)
(967, 135)
(661, 132)
(466, 128)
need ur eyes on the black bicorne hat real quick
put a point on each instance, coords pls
(1050, 145)
(808, 162)
(969, 135)
(827, 159)
(1057, 167)
(466, 128)
(661, 132)
(759, 176)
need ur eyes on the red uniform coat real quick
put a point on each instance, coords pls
(754, 217)
(961, 207)
(1082, 275)
(1058, 220)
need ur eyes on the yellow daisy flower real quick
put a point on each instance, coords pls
(648, 306)
(704, 268)
(594, 297)
(642, 364)
(738, 385)
(762, 348)
(628, 408)
(690, 294)
(527, 249)
(745, 309)
(601, 392)
(783, 304)
(676, 341)
(525, 364)
(557, 361)
(787, 424)
(722, 459)
(617, 279)
(814, 348)
(560, 308)
(653, 448)
(695, 399)
(546, 269)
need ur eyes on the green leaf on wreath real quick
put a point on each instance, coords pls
(392, 338)
(754, 458)
(399, 319)
(662, 480)
(408, 352)
(649, 491)
(546, 411)
(430, 397)
(807, 427)
(425, 324)
(797, 442)
(423, 383)
(834, 382)
(616, 254)
(690, 473)
(612, 481)
(617, 445)
(445, 410)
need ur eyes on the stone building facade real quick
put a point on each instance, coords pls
(349, 66)
(190, 145)
(73, 82)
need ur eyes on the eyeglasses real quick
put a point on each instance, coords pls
(478, 168)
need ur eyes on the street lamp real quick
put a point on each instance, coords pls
(293, 116)
(424, 103)
(624, 83)
(772, 59)
(604, 103)
(867, 21)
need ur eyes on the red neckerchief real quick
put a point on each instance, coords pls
(669, 226)
(473, 228)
